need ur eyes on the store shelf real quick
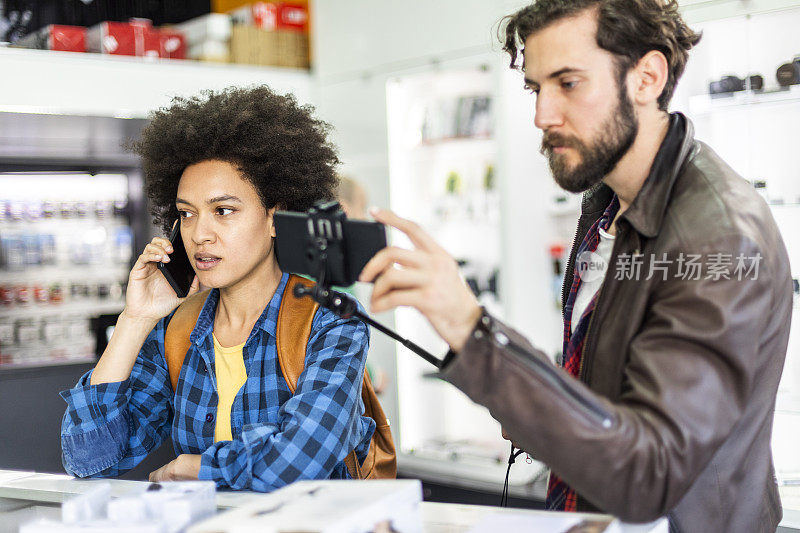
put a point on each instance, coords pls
(67, 83)
(88, 308)
(15, 367)
(705, 104)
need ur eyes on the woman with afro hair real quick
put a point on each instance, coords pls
(222, 163)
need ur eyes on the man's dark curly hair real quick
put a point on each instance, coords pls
(277, 144)
(629, 29)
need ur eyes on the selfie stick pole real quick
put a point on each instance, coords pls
(345, 306)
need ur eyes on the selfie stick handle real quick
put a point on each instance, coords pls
(345, 306)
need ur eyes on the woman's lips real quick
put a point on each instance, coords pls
(206, 262)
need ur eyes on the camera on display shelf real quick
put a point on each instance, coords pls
(732, 84)
(789, 73)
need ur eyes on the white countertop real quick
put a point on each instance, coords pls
(29, 488)
(27, 495)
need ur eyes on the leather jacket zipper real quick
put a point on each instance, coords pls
(570, 268)
(595, 411)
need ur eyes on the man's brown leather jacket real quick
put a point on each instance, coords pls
(672, 415)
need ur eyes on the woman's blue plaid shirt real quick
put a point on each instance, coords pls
(278, 437)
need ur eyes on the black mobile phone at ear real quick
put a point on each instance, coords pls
(178, 271)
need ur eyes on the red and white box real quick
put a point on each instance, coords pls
(293, 17)
(272, 16)
(56, 37)
(135, 38)
(172, 44)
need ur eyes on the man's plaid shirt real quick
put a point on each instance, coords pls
(278, 437)
(560, 496)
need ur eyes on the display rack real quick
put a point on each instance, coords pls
(705, 104)
(443, 159)
(66, 245)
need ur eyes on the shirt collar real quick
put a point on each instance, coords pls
(267, 322)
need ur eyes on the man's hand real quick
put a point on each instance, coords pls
(425, 278)
(185, 467)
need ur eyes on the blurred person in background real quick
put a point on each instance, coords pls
(353, 199)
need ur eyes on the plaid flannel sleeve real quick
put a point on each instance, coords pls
(109, 428)
(319, 425)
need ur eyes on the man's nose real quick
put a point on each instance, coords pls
(548, 111)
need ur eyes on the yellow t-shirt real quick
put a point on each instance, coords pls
(231, 375)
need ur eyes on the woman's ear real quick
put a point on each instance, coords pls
(271, 218)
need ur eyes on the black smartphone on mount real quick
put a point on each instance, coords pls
(350, 244)
(178, 271)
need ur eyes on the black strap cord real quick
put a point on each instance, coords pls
(512, 457)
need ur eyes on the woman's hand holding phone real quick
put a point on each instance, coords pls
(149, 298)
(149, 295)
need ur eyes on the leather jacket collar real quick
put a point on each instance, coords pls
(646, 212)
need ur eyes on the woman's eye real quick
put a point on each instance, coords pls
(184, 214)
(224, 211)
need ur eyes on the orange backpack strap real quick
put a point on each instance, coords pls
(295, 319)
(176, 339)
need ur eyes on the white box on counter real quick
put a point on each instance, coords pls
(328, 506)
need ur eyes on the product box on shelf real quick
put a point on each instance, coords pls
(293, 49)
(254, 46)
(123, 38)
(262, 15)
(211, 27)
(136, 38)
(210, 51)
(172, 44)
(273, 16)
(56, 37)
(207, 37)
(293, 17)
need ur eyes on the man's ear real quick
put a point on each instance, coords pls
(650, 77)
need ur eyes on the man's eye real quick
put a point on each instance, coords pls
(224, 211)
(569, 84)
(531, 90)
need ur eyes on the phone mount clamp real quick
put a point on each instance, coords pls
(343, 305)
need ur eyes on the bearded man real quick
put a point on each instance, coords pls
(663, 400)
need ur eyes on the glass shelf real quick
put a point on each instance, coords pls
(705, 104)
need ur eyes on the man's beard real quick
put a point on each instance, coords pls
(598, 159)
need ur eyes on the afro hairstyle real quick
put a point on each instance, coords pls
(277, 145)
